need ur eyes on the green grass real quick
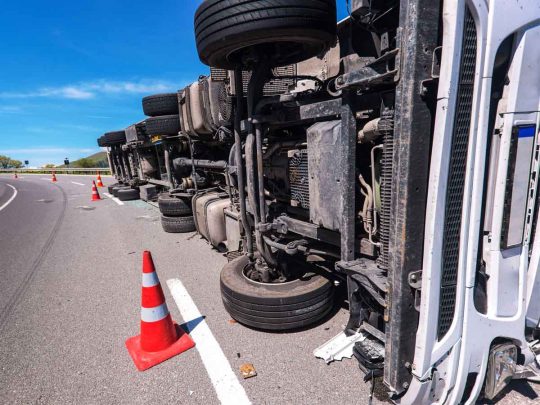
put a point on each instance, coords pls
(96, 160)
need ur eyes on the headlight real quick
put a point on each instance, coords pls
(501, 368)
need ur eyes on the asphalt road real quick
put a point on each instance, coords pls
(70, 296)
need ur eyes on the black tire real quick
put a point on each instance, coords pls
(275, 307)
(178, 224)
(164, 125)
(116, 189)
(173, 206)
(110, 188)
(128, 194)
(160, 104)
(114, 138)
(289, 30)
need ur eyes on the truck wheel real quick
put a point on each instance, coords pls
(178, 224)
(112, 186)
(128, 194)
(115, 190)
(279, 306)
(160, 104)
(164, 125)
(289, 30)
(113, 138)
(173, 206)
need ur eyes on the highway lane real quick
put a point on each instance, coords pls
(63, 338)
(28, 223)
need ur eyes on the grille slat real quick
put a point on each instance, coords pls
(456, 176)
(299, 178)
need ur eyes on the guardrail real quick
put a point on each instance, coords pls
(72, 171)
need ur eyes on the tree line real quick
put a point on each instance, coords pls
(7, 163)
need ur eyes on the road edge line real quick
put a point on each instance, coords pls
(116, 200)
(225, 382)
(15, 192)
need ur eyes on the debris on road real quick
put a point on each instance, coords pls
(248, 371)
(338, 348)
(86, 208)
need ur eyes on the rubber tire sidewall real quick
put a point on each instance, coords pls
(183, 224)
(163, 125)
(160, 104)
(276, 307)
(128, 194)
(173, 206)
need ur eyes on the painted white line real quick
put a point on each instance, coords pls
(11, 198)
(79, 184)
(228, 388)
(116, 200)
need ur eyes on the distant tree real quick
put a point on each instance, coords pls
(49, 166)
(4, 161)
(16, 164)
(7, 163)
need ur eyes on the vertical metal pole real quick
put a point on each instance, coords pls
(348, 137)
(166, 152)
(419, 21)
(239, 90)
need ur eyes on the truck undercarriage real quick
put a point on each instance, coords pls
(395, 154)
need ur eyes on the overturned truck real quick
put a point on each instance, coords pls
(394, 153)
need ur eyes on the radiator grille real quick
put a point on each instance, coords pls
(274, 87)
(456, 176)
(218, 75)
(299, 179)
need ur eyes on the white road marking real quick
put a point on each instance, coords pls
(116, 200)
(11, 198)
(79, 184)
(228, 388)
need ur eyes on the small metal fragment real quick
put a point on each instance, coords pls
(247, 371)
(86, 208)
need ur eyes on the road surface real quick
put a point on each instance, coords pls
(70, 296)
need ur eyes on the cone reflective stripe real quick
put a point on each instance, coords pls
(160, 337)
(95, 194)
(99, 182)
(53, 177)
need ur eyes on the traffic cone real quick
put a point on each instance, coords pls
(161, 338)
(99, 182)
(95, 194)
(15, 176)
(53, 177)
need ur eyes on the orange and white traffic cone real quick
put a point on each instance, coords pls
(53, 177)
(95, 194)
(99, 182)
(160, 337)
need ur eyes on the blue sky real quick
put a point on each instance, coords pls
(72, 70)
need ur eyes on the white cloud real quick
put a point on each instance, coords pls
(47, 151)
(10, 109)
(88, 90)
